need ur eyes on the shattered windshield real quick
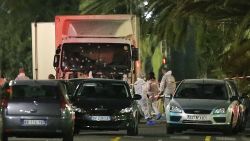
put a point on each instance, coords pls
(93, 56)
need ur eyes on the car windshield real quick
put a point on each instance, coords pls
(103, 90)
(29, 91)
(201, 91)
(96, 56)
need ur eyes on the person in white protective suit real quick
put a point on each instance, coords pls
(152, 93)
(139, 88)
(167, 85)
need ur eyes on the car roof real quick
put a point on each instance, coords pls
(98, 80)
(204, 81)
(35, 82)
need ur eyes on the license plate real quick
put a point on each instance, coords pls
(31, 122)
(100, 118)
(196, 117)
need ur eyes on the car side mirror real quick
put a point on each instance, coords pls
(136, 97)
(169, 96)
(56, 60)
(135, 54)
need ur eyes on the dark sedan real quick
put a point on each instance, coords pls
(37, 108)
(105, 104)
(203, 104)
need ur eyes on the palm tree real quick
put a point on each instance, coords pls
(219, 29)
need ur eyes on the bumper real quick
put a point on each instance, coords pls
(199, 126)
(198, 121)
(115, 123)
(55, 127)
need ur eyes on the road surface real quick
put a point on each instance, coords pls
(151, 133)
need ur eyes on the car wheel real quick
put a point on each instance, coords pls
(229, 129)
(237, 128)
(169, 130)
(243, 122)
(77, 131)
(4, 137)
(68, 137)
(133, 128)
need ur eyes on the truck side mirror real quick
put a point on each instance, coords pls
(56, 60)
(58, 50)
(135, 53)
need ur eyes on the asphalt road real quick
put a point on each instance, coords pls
(151, 133)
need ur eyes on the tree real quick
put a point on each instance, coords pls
(15, 29)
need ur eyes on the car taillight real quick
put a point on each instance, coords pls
(4, 103)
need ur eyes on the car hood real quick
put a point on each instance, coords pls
(200, 103)
(91, 103)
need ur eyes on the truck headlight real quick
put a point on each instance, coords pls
(126, 110)
(220, 111)
(175, 109)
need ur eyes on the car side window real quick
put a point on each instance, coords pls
(229, 90)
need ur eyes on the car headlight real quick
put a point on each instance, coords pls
(220, 111)
(175, 109)
(126, 110)
(79, 110)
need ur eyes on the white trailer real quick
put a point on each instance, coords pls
(43, 49)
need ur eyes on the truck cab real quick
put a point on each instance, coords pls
(104, 45)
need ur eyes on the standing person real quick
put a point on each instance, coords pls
(152, 93)
(21, 75)
(167, 85)
(51, 76)
(139, 87)
(2, 80)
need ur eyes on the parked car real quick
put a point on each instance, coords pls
(203, 104)
(71, 84)
(37, 108)
(105, 104)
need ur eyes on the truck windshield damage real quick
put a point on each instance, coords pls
(112, 57)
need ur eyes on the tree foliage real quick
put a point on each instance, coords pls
(15, 29)
(204, 38)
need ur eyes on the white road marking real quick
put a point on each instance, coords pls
(225, 138)
(134, 137)
(180, 137)
(247, 129)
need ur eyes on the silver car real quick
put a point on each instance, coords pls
(203, 104)
(37, 108)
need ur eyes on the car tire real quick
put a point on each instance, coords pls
(169, 130)
(4, 137)
(243, 123)
(68, 137)
(229, 129)
(76, 131)
(133, 127)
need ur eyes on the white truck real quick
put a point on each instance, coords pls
(106, 45)
(43, 49)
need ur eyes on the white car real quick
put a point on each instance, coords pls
(203, 104)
